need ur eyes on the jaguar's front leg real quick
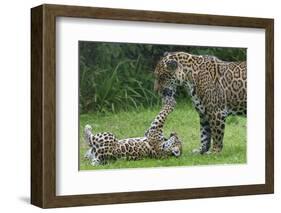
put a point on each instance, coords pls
(205, 136)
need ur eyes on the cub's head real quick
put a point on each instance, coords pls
(173, 146)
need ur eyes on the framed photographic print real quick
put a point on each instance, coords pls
(136, 106)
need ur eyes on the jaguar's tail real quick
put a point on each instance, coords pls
(88, 135)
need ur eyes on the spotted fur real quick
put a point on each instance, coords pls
(217, 89)
(105, 146)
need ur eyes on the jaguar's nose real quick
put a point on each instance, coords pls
(167, 92)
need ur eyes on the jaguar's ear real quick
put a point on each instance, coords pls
(172, 65)
(165, 54)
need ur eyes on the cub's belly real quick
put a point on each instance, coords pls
(133, 147)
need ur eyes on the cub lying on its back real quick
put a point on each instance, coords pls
(105, 146)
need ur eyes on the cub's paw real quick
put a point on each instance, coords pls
(88, 128)
(88, 154)
(95, 162)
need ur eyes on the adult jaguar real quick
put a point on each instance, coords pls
(217, 89)
(105, 146)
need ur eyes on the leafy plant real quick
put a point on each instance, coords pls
(119, 76)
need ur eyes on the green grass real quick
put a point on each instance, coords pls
(184, 120)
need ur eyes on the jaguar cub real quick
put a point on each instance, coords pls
(105, 146)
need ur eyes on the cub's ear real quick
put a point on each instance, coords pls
(172, 65)
(173, 134)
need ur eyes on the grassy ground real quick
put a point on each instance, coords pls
(184, 120)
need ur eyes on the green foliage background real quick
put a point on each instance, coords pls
(119, 76)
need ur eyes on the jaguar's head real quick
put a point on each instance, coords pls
(173, 145)
(168, 73)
